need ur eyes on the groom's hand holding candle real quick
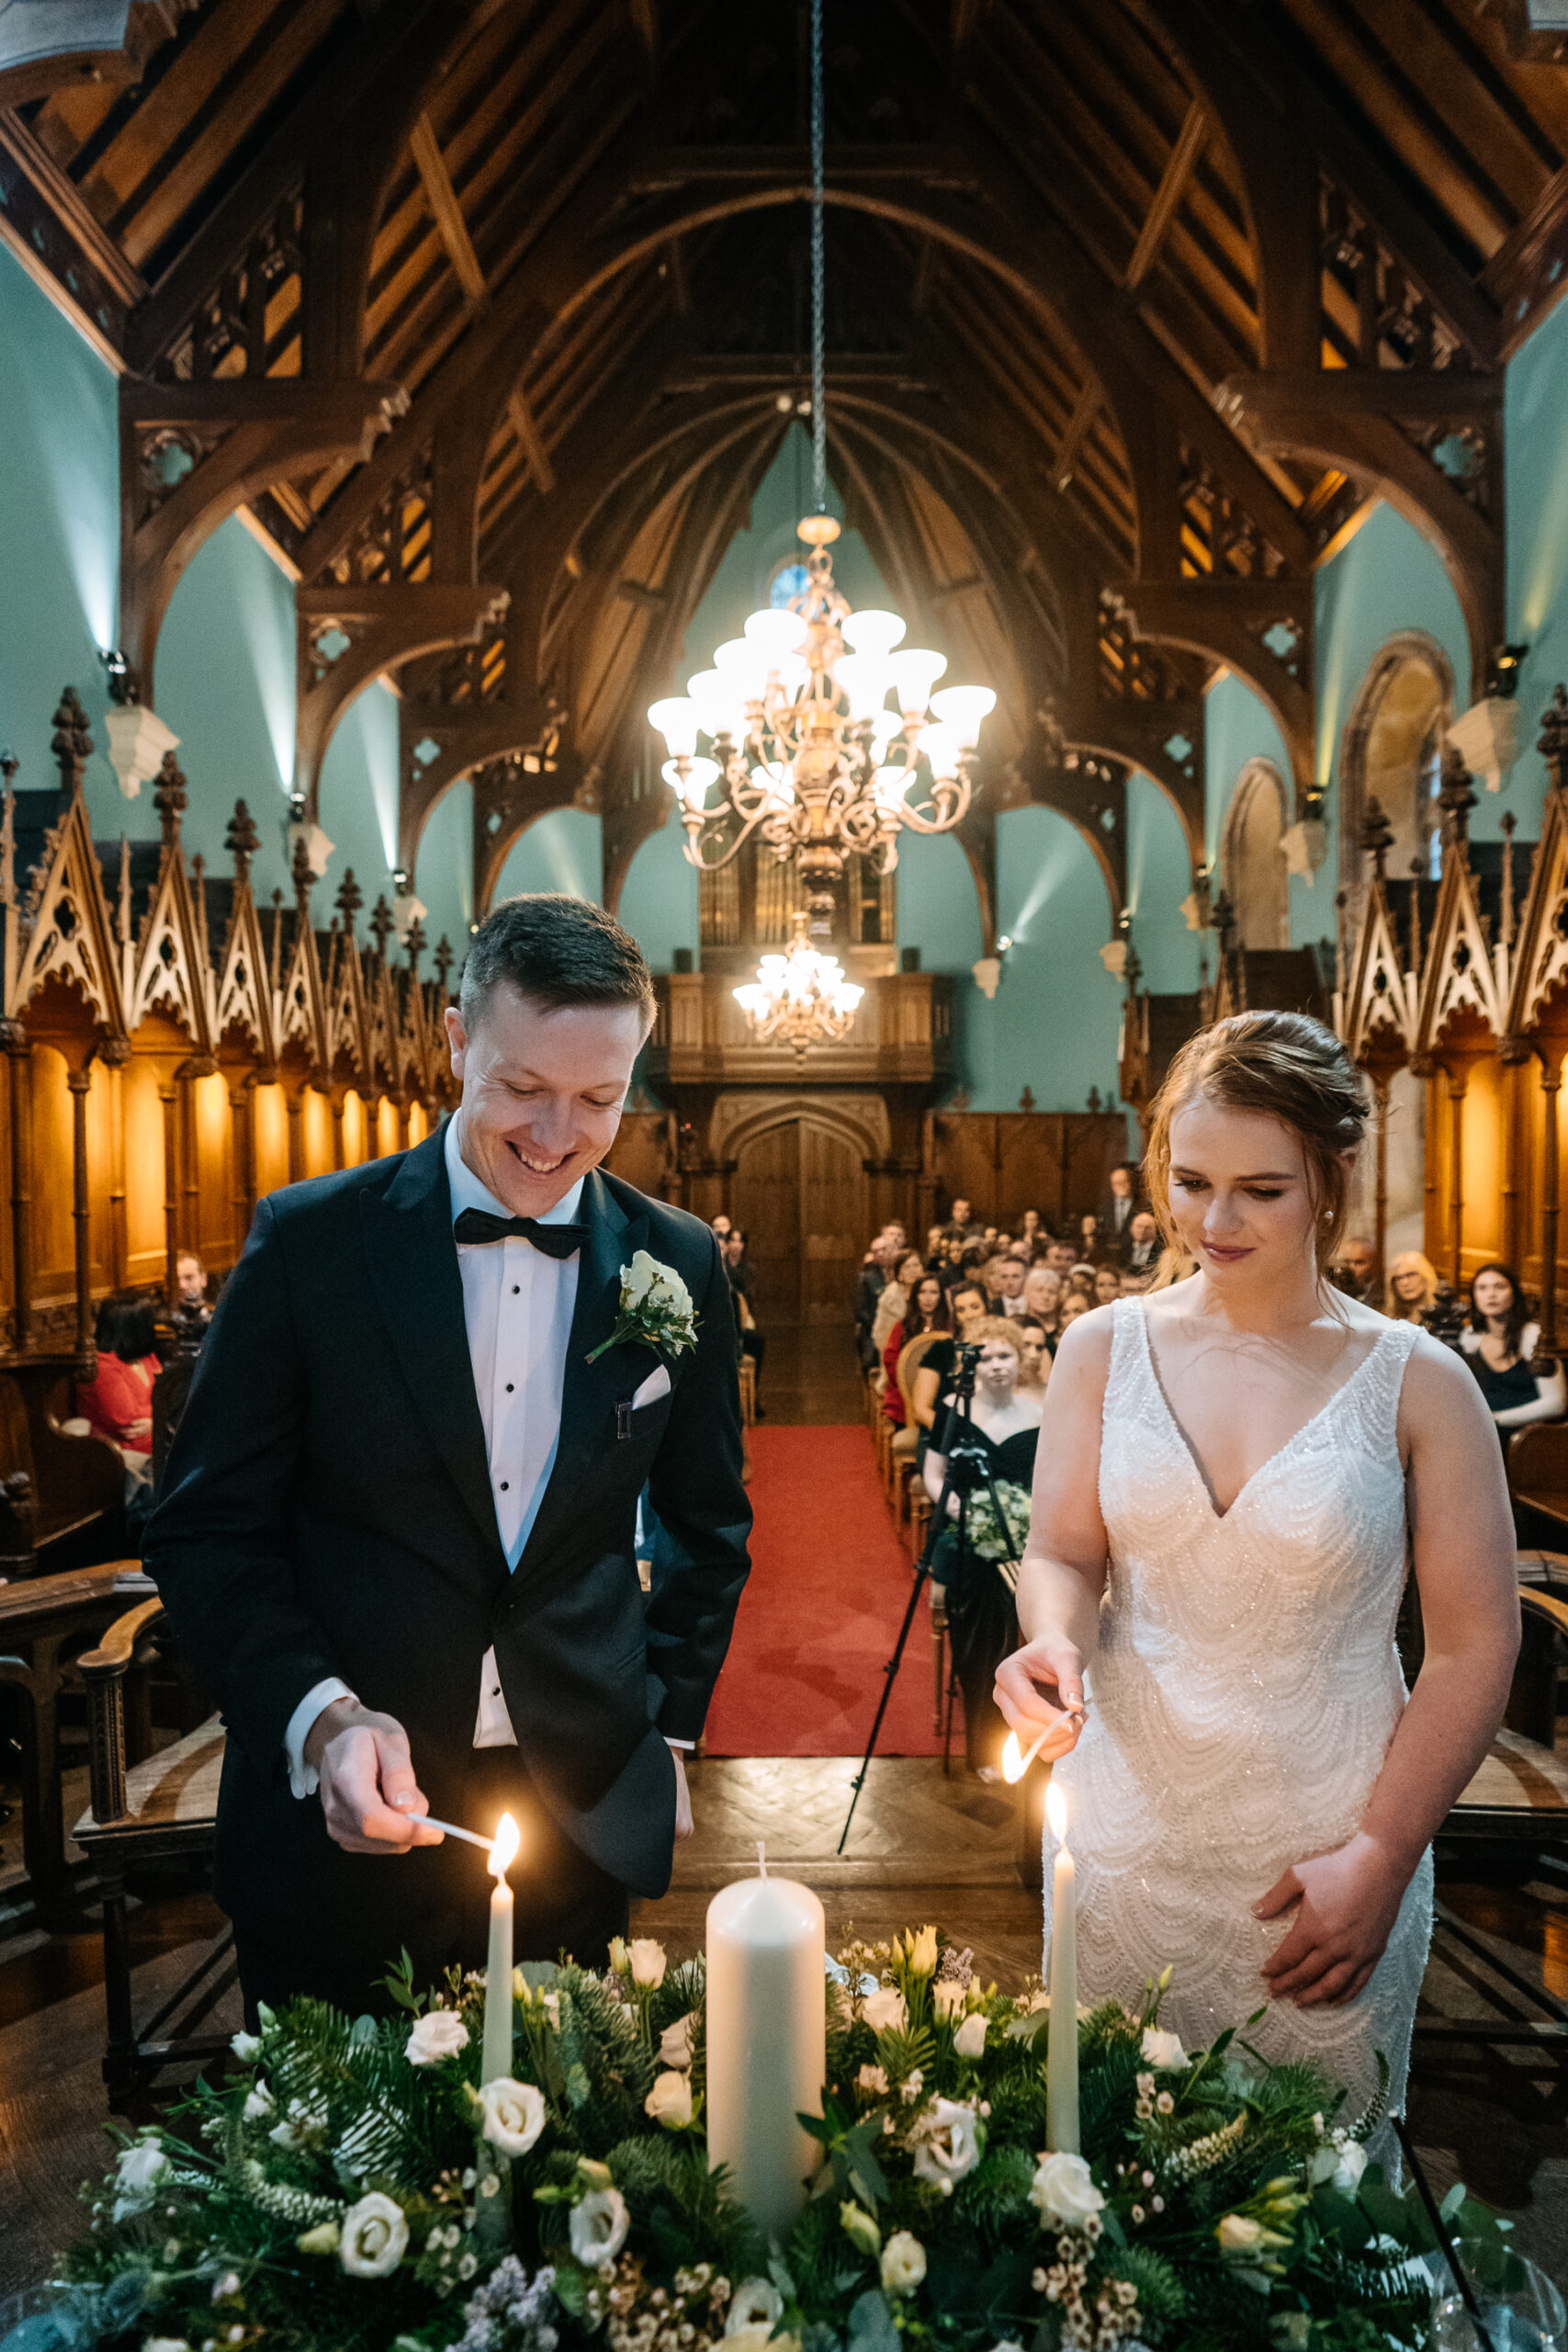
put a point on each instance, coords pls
(370, 1796)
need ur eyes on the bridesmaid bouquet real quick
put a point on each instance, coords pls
(350, 2185)
(985, 1529)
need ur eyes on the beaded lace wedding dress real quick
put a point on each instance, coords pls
(1243, 1694)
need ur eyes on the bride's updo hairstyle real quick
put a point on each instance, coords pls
(1292, 1069)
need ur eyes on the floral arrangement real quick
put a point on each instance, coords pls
(352, 2184)
(987, 1538)
(655, 1307)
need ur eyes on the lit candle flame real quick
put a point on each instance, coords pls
(1012, 1759)
(503, 1853)
(1056, 1813)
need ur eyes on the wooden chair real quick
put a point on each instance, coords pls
(1537, 1480)
(160, 1811)
(74, 1486)
(904, 1443)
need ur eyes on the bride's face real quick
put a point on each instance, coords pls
(1239, 1193)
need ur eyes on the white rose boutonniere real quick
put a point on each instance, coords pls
(655, 1307)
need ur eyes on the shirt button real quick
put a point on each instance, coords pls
(509, 1387)
(504, 1485)
(516, 1288)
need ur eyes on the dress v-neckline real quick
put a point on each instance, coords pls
(1194, 1461)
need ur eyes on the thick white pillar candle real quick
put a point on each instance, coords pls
(496, 2054)
(1062, 2047)
(766, 2034)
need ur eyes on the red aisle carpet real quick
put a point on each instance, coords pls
(829, 1585)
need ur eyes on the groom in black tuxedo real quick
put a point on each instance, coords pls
(396, 1531)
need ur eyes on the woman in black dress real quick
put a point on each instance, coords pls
(981, 1614)
(1500, 1342)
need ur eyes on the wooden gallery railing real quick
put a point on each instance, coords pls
(1463, 981)
(172, 1053)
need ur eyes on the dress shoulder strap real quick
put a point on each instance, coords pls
(1377, 1383)
(1129, 1347)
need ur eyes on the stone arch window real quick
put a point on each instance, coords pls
(1252, 861)
(1392, 750)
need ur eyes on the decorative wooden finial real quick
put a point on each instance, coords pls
(382, 925)
(242, 841)
(444, 958)
(414, 944)
(1026, 1100)
(10, 763)
(1553, 744)
(1457, 797)
(301, 874)
(349, 900)
(1377, 835)
(170, 799)
(1506, 823)
(1225, 922)
(71, 743)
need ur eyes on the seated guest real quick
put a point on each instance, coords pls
(1081, 1278)
(896, 1296)
(1035, 1370)
(191, 1313)
(1107, 1285)
(967, 1306)
(875, 1276)
(1059, 1256)
(1133, 1285)
(1500, 1344)
(1413, 1288)
(1023, 1251)
(1004, 1283)
(1076, 1303)
(720, 1227)
(1119, 1202)
(1140, 1251)
(1174, 1266)
(118, 1403)
(1353, 1269)
(982, 1619)
(1090, 1244)
(926, 1311)
(743, 1293)
(1029, 1228)
(960, 1222)
(1042, 1299)
(936, 1245)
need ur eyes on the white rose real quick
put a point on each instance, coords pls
(948, 1999)
(1163, 2050)
(1064, 2190)
(258, 2102)
(969, 2039)
(375, 2237)
(756, 2302)
(302, 2123)
(883, 2010)
(638, 1278)
(139, 2167)
(1239, 2234)
(675, 2047)
(165, 2343)
(1340, 2161)
(948, 2148)
(903, 2264)
(599, 2224)
(647, 1963)
(246, 2046)
(513, 2113)
(670, 2101)
(440, 2033)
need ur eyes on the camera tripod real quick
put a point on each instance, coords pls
(969, 1469)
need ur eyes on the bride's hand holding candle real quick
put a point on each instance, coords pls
(1040, 1691)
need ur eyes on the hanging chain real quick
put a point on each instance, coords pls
(818, 406)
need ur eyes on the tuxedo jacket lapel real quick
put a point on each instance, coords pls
(413, 1269)
(588, 1391)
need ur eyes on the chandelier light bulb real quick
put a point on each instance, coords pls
(891, 783)
(871, 631)
(965, 709)
(693, 785)
(914, 672)
(864, 678)
(744, 667)
(777, 778)
(778, 631)
(676, 719)
(943, 747)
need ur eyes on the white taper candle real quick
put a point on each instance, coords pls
(1062, 2048)
(495, 2063)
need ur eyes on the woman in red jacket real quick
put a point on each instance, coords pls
(117, 1403)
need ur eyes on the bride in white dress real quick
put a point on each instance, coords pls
(1225, 1475)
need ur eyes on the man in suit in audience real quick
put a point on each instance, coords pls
(396, 1536)
(962, 1225)
(1139, 1253)
(1118, 1203)
(874, 1277)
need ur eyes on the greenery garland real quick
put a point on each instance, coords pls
(350, 2185)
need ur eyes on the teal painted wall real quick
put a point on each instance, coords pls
(1158, 878)
(358, 799)
(562, 850)
(1053, 1022)
(1536, 416)
(658, 897)
(60, 528)
(444, 870)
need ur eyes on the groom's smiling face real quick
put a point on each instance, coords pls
(542, 1092)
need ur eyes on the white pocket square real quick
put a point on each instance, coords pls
(656, 1386)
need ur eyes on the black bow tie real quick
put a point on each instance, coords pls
(555, 1240)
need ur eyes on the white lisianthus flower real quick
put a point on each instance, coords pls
(670, 2101)
(1064, 2190)
(513, 2115)
(599, 2224)
(375, 2236)
(903, 2264)
(675, 2046)
(1340, 2160)
(756, 2302)
(137, 2178)
(440, 2033)
(646, 1960)
(873, 2081)
(1163, 2050)
(258, 2102)
(884, 2011)
(948, 2000)
(302, 2123)
(948, 2148)
(860, 2229)
(969, 2039)
(246, 2046)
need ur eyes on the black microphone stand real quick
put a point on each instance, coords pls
(968, 1468)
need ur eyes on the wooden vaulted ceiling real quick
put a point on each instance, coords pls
(571, 233)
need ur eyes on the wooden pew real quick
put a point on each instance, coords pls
(1537, 1481)
(63, 1496)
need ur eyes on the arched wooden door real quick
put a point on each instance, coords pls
(799, 1191)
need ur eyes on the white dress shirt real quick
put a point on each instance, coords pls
(517, 1304)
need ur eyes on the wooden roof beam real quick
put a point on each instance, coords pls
(446, 210)
(1085, 408)
(530, 441)
(1180, 164)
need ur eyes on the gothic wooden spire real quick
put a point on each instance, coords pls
(350, 898)
(382, 925)
(242, 841)
(302, 875)
(170, 799)
(71, 743)
(1377, 835)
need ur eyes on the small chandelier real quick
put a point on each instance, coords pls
(801, 997)
(801, 740)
